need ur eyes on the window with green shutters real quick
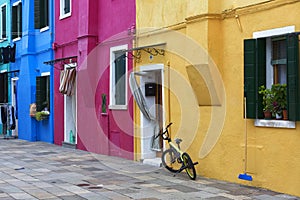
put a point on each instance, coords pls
(42, 93)
(17, 20)
(283, 52)
(41, 14)
(3, 21)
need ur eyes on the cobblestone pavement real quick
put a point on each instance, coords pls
(36, 170)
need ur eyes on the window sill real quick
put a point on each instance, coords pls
(64, 16)
(274, 123)
(16, 39)
(44, 29)
(3, 39)
(117, 107)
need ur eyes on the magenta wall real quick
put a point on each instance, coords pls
(89, 34)
(110, 133)
(66, 32)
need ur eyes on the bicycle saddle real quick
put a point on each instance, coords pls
(178, 140)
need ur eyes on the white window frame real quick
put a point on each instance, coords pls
(62, 13)
(112, 104)
(3, 39)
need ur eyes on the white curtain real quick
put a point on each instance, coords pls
(141, 102)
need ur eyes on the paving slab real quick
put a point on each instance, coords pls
(38, 170)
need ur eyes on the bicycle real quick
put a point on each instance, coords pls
(174, 159)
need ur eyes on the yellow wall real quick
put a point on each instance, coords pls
(220, 28)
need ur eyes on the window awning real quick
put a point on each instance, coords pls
(66, 60)
(159, 46)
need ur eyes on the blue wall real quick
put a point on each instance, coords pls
(34, 48)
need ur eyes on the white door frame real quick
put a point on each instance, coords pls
(66, 136)
(146, 152)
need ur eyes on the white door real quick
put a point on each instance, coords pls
(70, 114)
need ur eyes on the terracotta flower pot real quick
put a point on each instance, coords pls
(268, 115)
(285, 115)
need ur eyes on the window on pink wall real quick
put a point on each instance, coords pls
(65, 8)
(118, 78)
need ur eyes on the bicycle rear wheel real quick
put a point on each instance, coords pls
(190, 168)
(169, 160)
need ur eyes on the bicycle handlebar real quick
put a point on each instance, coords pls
(162, 133)
(169, 125)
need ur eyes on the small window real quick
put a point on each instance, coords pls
(118, 78)
(17, 20)
(41, 14)
(43, 93)
(3, 21)
(65, 8)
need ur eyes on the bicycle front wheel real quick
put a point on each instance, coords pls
(169, 160)
(190, 168)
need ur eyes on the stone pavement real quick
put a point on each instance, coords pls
(36, 170)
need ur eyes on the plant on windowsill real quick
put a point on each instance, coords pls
(280, 100)
(39, 116)
(267, 101)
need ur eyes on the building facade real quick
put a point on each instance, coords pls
(93, 117)
(30, 36)
(214, 54)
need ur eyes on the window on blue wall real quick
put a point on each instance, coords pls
(41, 14)
(3, 22)
(16, 20)
(43, 93)
(65, 8)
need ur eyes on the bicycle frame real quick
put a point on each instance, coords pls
(176, 148)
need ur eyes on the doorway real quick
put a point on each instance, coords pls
(151, 83)
(70, 113)
(14, 84)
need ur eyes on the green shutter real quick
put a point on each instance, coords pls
(37, 11)
(292, 77)
(254, 75)
(3, 21)
(41, 92)
(19, 20)
(250, 76)
(14, 29)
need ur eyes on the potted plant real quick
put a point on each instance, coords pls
(280, 99)
(268, 99)
(42, 115)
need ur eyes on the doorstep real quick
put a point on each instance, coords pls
(152, 161)
(69, 145)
